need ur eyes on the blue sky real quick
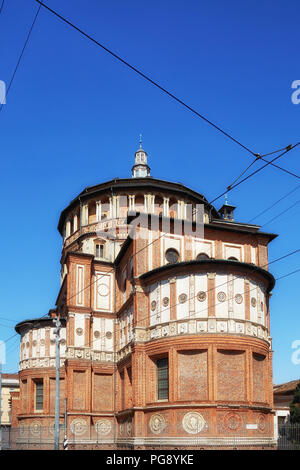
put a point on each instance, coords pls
(74, 114)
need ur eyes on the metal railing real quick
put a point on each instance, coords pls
(172, 437)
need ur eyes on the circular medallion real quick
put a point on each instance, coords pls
(221, 296)
(153, 305)
(165, 301)
(63, 342)
(238, 298)
(103, 427)
(157, 423)
(96, 334)
(42, 342)
(182, 298)
(201, 296)
(253, 301)
(35, 428)
(233, 421)
(79, 331)
(103, 290)
(121, 429)
(27, 344)
(78, 426)
(108, 335)
(262, 306)
(34, 343)
(193, 422)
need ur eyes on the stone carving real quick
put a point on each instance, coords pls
(103, 427)
(78, 426)
(238, 298)
(129, 428)
(165, 301)
(261, 423)
(121, 429)
(79, 331)
(103, 290)
(201, 296)
(232, 421)
(35, 428)
(182, 298)
(193, 422)
(157, 423)
(253, 301)
(108, 335)
(221, 296)
(153, 305)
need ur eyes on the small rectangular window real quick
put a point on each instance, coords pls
(162, 379)
(99, 251)
(39, 395)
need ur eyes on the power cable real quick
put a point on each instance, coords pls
(157, 85)
(22, 52)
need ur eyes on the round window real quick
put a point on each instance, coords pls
(172, 255)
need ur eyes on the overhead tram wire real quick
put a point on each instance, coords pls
(22, 52)
(274, 204)
(161, 88)
(281, 213)
(232, 186)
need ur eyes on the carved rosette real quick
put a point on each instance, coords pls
(78, 426)
(103, 427)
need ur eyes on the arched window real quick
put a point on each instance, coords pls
(172, 255)
(202, 256)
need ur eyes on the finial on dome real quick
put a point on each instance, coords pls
(140, 168)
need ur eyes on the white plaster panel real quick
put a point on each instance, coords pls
(96, 327)
(34, 340)
(109, 342)
(79, 323)
(201, 246)
(253, 294)
(233, 250)
(103, 291)
(221, 308)
(153, 296)
(239, 288)
(182, 287)
(165, 292)
(201, 307)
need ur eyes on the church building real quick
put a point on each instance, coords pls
(165, 338)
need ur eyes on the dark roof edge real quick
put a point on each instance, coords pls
(132, 182)
(212, 262)
(35, 322)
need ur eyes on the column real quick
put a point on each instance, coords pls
(98, 211)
